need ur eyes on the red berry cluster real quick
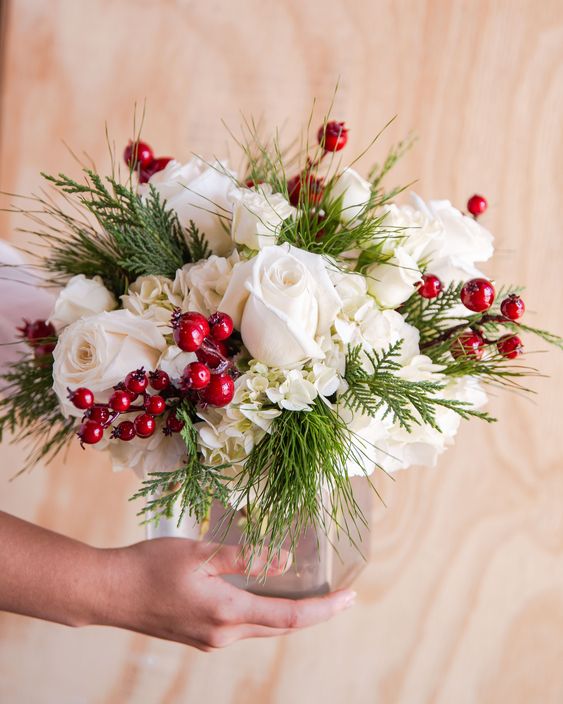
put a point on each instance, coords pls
(40, 336)
(100, 416)
(209, 380)
(140, 157)
(478, 296)
(306, 188)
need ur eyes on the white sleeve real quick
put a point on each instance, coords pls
(21, 296)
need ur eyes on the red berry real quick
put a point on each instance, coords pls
(333, 136)
(221, 326)
(81, 398)
(512, 307)
(124, 431)
(510, 346)
(468, 344)
(138, 154)
(478, 295)
(196, 376)
(34, 333)
(153, 168)
(477, 205)
(120, 401)
(98, 413)
(145, 425)
(90, 432)
(220, 390)
(188, 336)
(430, 287)
(211, 358)
(305, 187)
(198, 319)
(43, 350)
(159, 380)
(173, 423)
(251, 183)
(136, 381)
(155, 405)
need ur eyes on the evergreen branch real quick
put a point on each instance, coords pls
(305, 454)
(30, 408)
(381, 390)
(194, 485)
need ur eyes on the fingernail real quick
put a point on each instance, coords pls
(349, 600)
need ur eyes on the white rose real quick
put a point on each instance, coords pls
(258, 215)
(355, 192)
(381, 329)
(174, 360)
(410, 228)
(99, 351)
(201, 286)
(151, 297)
(394, 281)
(200, 193)
(81, 297)
(465, 240)
(282, 301)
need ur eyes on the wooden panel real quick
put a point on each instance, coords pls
(463, 598)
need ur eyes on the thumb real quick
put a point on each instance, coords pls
(233, 559)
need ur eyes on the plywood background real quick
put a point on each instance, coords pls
(462, 601)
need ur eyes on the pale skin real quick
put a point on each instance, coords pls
(170, 588)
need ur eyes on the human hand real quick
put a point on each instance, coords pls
(171, 588)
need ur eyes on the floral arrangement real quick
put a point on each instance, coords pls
(255, 337)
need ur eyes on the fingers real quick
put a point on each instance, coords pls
(230, 559)
(290, 614)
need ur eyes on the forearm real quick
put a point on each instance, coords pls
(49, 576)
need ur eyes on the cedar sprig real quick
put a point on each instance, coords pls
(375, 388)
(30, 408)
(194, 485)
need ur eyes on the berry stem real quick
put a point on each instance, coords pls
(447, 334)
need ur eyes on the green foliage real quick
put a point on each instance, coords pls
(29, 407)
(379, 388)
(280, 487)
(129, 237)
(194, 485)
(432, 316)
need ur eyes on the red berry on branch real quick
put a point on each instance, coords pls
(173, 423)
(306, 188)
(477, 205)
(468, 344)
(81, 398)
(159, 380)
(98, 413)
(196, 376)
(43, 350)
(430, 286)
(155, 405)
(136, 381)
(124, 431)
(90, 432)
(153, 168)
(220, 390)
(120, 401)
(138, 154)
(510, 346)
(36, 332)
(478, 295)
(145, 425)
(213, 358)
(221, 326)
(188, 336)
(197, 319)
(333, 136)
(512, 307)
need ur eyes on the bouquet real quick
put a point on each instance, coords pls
(256, 338)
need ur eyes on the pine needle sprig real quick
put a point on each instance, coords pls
(432, 316)
(380, 390)
(194, 486)
(30, 408)
(306, 453)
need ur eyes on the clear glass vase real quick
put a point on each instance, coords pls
(322, 563)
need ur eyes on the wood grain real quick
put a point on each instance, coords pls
(462, 600)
